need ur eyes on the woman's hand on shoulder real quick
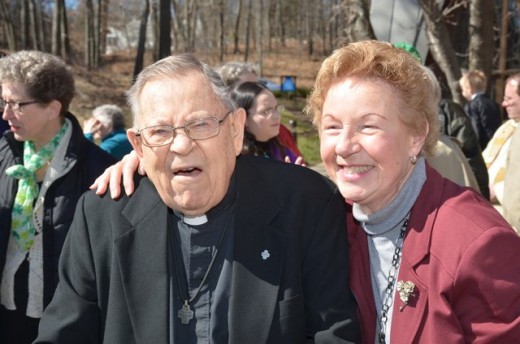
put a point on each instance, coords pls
(111, 178)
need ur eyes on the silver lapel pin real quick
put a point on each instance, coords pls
(265, 254)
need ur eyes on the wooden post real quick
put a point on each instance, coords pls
(502, 61)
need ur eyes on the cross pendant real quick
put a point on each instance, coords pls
(185, 313)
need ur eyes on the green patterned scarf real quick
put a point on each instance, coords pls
(22, 227)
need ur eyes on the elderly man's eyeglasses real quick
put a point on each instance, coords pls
(271, 111)
(199, 129)
(16, 106)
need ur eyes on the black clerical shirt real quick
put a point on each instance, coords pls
(194, 246)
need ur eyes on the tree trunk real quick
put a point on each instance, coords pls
(260, 43)
(65, 42)
(155, 28)
(440, 46)
(165, 40)
(271, 15)
(248, 28)
(56, 29)
(222, 42)
(33, 26)
(8, 26)
(180, 29)
(24, 24)
(97, 34)
(141, 44)
(104, 26)
(89, 34)
(481, 36)
(236, 49)
(281, 21)
(358, 26)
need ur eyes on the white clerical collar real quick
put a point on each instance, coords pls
(195, 221)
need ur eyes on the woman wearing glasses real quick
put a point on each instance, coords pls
(45, 165)
(262, 123)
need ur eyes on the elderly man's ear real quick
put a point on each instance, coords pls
(238, 121)
(134, 141)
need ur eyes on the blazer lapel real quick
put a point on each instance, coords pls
(406, 321)
(259, 251)
(142, 255)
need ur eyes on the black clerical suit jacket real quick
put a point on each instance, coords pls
(114, 276)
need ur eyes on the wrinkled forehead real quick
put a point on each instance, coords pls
(180, 95)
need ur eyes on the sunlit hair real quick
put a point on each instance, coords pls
(475, 79)
(176, 67)
(245, 94)
(232, 71)
(516, 79)
(44, 77)
(375, 60)
(110, 114)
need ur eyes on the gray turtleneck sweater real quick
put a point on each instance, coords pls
(383, 228)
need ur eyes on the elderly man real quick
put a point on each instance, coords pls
(511, 185)
(496, 152)
(210, 248)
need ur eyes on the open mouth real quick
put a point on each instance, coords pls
(187, 172)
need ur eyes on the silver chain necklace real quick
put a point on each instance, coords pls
(392, 276)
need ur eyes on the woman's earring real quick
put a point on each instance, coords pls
(413, 159)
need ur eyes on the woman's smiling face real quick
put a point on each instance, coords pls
(365, 146)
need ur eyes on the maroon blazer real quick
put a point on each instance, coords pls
(463, 258)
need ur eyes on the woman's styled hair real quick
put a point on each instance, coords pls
(381, 61)
(45, 77)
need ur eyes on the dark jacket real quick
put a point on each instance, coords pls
(485, 117)
(114, 276)
(455, 123)
(60, 200)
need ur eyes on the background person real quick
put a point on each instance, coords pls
(234, 73)
(209, 248)
(457, 135)
(107, 125)
(455, 123)
(454, 272)
(483, 112)
(496, 152)
(262, 122)
(511, 202)
(45, 166)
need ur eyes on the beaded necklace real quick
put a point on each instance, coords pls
(392, 276)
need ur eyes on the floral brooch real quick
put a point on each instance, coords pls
(405, 290)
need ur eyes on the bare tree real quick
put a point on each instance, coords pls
(358, 26)
(248, 28)
(165, 40)
(139, 57)
(236, 35)
(33, 25)
(260, 39)
(222, 42)
(440, 45)
(56, 28)
(481, 36)
(89, 34)
(7, 25)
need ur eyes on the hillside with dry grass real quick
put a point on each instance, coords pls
(109, 83)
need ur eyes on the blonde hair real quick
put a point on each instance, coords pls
(381, 61)
(475, 79)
